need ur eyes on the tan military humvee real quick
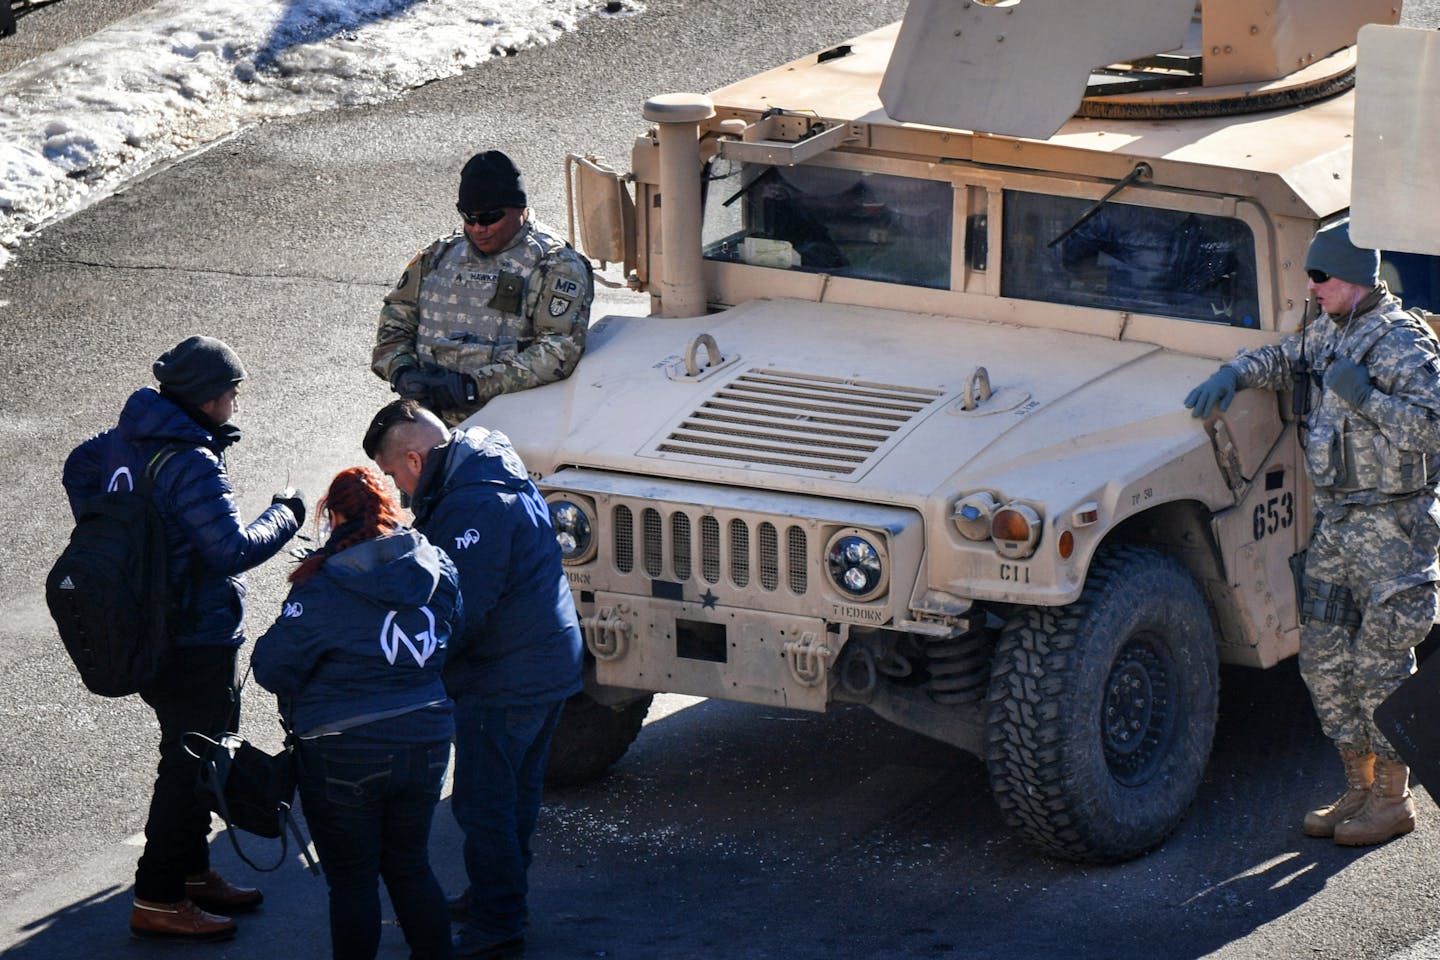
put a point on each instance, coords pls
(905, 427)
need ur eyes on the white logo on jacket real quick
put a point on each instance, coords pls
(292, 609)
(115, 480)
(393, 636)
(467, 539)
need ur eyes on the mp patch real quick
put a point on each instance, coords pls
(567, 287)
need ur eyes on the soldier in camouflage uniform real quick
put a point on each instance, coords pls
(500, 307)
(1370, 436)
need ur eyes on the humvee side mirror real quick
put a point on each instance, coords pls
(605, 209)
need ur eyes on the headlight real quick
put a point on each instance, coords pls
(573, 530)
(1016, 530)
(971, 515)
(856, 564)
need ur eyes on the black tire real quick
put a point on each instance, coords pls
(1102, 712)
(591, 737)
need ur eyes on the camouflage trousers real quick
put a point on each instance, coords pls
(1370, 597)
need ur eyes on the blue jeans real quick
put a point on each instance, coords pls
(369, 806)
(500, 757)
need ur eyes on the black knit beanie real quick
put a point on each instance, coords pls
(491, 180)
(198, 369)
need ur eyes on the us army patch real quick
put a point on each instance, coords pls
(567, 287)
(558, 305)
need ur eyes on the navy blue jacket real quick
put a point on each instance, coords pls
(521, 641)
(360, 645)
(210, 548)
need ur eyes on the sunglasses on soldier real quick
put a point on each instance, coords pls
(482, 218)
(1317, 276)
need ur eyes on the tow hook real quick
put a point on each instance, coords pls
(806, 658)
(607, 633)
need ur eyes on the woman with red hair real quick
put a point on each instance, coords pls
(355, 659)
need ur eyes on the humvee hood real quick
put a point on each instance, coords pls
(842, 400)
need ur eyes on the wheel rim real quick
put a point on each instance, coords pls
(1135, 718)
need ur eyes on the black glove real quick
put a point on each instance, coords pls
(412, 383)
(452, 391)
(293, 499)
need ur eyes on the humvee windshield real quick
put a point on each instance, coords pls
(847, 223)
(894, 229)
(1139, 259)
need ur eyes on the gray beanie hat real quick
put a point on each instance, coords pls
(489, 180)
(1332, 252)
(198, 369)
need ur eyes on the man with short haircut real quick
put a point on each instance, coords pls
(512, 665)
(177, 895)
(1371, 435)
(500, 307)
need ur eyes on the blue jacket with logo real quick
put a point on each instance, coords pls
(210, 548)
(361, 644)
(521, 641)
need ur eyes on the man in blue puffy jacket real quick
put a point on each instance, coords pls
(514, 663)
(177, 895)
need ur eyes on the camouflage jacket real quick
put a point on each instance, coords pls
(512, 321)
(1386, 448)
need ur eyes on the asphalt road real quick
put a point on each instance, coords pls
(728, 830)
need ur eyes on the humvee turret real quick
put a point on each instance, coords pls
(904, 428)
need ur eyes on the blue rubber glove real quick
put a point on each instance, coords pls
(1218, 391)
(1350, 380)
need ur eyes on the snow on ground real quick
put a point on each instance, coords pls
(80, 122)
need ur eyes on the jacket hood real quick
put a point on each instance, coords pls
(149, 417)
(402, 569)
(478, 455)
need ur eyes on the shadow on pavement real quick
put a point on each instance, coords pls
(300, 24)
(750, 832)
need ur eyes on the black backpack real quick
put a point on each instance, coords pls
(108, 591)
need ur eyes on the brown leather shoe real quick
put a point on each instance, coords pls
(210, 891)
(179, 922)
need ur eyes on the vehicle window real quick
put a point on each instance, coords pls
(847, 223)
(1413, 277)
(1127, 257)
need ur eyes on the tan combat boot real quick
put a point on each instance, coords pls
(1359, 775)
(1388, 811)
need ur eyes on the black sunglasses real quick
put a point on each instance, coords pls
(482, 218)
(1317, 276)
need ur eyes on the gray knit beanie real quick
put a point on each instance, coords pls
(1332, 252)
(198, 369)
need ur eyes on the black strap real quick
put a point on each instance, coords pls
(287, 816)
(146, 483)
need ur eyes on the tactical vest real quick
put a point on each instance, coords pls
(475, 309)
(1344, 450)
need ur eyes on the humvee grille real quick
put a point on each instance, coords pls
(673, 557)
(798, 422)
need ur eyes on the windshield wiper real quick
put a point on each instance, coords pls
(1142, 171)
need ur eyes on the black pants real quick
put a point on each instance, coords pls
(194, 692)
